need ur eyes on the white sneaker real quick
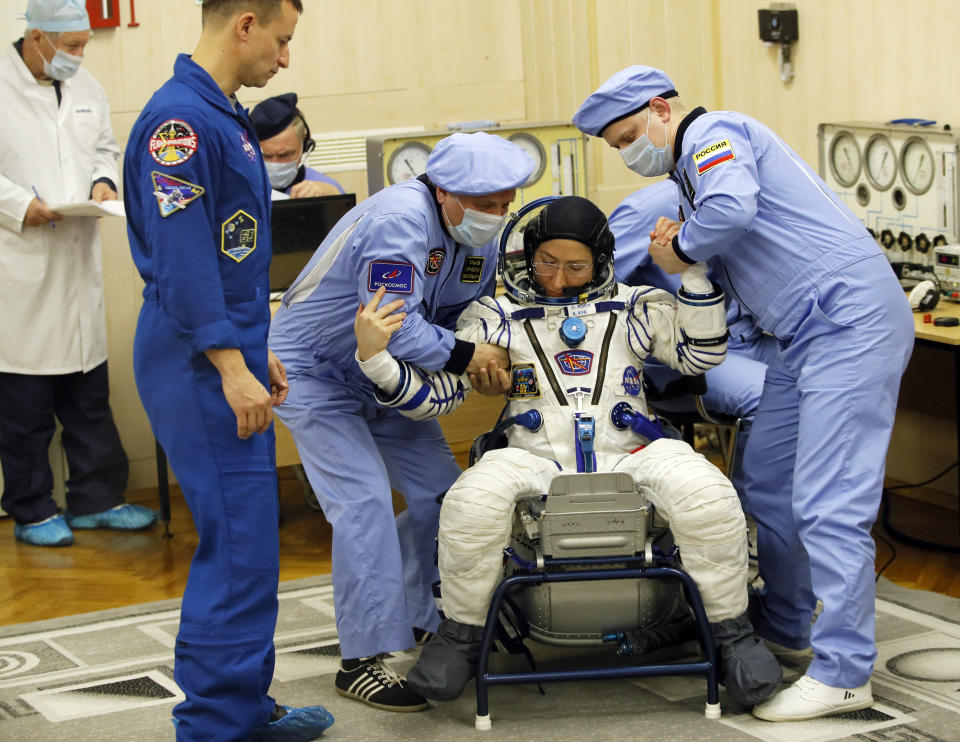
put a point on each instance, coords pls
(811, 699)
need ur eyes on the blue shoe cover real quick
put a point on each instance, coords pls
(298, 725)
(124, 517)
(53, 531)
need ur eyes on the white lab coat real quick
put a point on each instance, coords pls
(52, 317)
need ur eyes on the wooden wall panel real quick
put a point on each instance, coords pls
(676, 37)
(387, 63)
(355, 65)
(870, 60)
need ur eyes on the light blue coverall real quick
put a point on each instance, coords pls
(798, 260)
(733, 387)
(353, 449)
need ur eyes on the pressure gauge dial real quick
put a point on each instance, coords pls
(916, 164)
(408, 161)
(845, 159)
(531, 145)
(881, 162)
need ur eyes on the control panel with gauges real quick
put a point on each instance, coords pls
(556, 148)
(947, 270)
(901, 179)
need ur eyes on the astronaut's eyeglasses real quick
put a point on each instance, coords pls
(572, 270)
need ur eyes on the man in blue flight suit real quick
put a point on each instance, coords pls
(799, 261)
(430, 242)
(198, 213)
(733, 387)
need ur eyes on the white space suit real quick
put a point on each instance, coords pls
(563, 383)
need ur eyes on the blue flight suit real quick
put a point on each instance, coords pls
(198, 214)
(733, 387)
(355, 450)
(798, 260)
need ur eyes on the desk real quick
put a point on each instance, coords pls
(946, 339)
(930, 334)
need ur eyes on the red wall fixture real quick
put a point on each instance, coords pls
(104, 13)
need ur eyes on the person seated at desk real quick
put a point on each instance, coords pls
(285, 142)
(565, 270)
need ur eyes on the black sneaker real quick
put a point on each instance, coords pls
(371, 681)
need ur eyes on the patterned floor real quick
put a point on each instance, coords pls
(108, 676)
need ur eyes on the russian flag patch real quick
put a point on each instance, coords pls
(715, 154)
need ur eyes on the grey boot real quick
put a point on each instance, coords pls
(748, 668)
(447, 662)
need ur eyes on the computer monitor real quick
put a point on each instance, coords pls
(298, 226)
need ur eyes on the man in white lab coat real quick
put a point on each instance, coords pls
(57, 147)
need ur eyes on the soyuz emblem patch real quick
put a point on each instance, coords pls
(631, 381)
(238, 235)
(173, 143)
(574, 362)
(172, 193)
(435, 260)
(523, 384)
(396, 278)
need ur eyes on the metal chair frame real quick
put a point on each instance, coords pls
(598, 568)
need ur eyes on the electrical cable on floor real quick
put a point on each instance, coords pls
(925, 482)
(893, 552)
(900, 535)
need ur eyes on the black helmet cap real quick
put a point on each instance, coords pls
(571, 218)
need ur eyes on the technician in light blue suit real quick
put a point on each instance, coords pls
(733, 387)
(798, 260)
(429, 242)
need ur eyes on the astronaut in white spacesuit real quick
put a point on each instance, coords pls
(577, 343)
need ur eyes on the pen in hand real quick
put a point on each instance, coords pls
(53, 224)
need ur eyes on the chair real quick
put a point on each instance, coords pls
(591, 541)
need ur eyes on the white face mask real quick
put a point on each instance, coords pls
(477, 228)
(63, 66)
(645, 159)
(281, 174)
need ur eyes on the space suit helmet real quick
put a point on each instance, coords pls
(555, 217)
(571, 218)
(566, 217)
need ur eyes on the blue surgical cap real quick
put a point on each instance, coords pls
(274, 115)
(57, 15)
(626, 93)
(477, 164)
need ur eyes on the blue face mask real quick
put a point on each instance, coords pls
(63, 66)
(477, 228)
(645, 159)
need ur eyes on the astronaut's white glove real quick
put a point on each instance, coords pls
(695, 279)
